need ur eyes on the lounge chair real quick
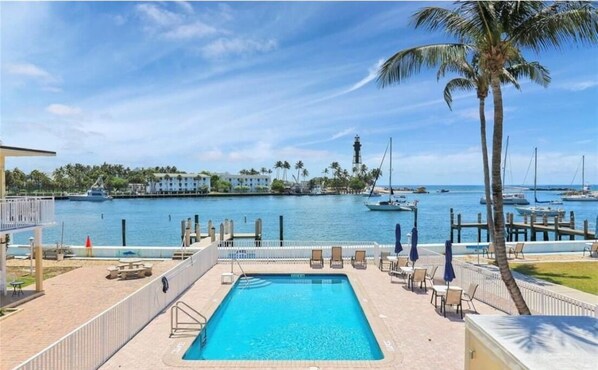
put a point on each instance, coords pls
(468, 296)
(383, 260)
(488, 250)
(592, 249)
(419, 276)
(430, 275)
(517, 250)
(396, 268)
(452, 298)
(359, 259)
(337, 256)
(316, 257)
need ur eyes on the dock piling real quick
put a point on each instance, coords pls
(124, 231)
(281, 229)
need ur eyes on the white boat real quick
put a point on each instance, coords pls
(393, 203)
(96, 193)
(584, 195)
(539, 210)
(370, 192)
(513, 198)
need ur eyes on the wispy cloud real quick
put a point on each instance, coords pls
(340, 134)
(174, 24)
(63, 110)
(158, 16)
(579, 85)
(30, 70)
(237, 46)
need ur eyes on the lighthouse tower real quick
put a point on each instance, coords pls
(356, 155)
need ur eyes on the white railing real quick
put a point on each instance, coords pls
(491, 289)
(26, 212)
(268, 251)
(94, 342)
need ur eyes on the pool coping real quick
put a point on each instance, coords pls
(174, 353)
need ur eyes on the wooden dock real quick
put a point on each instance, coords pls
(528, 229)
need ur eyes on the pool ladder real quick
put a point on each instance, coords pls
(197, 321)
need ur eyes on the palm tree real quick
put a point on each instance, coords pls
(277, 166)
(298, 167)
(473, 78)
(285, 166)
(304, 173)
(495, 31)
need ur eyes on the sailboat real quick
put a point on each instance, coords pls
(539, 210)
(513, 198)
(585, 195)
(393, 203)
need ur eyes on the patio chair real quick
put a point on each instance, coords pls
(592, 249)
(451, 298)
(488, 250)
(430, 275)
(517, 250)
(359, 259)
(316, 257)
(337, 256)
(469, 295)
(419, 276)
(396, 269)
(383, 260)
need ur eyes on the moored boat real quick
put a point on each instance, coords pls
(96, 193)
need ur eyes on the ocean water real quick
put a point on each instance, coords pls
(256, 322)
(157, 222)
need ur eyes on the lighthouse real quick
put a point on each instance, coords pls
(356, 155)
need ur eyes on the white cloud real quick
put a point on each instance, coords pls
(158, 15)
(340, 134)
(225, 46)
(372, 73)
(187, 8)
(31, 71)
(579, 85)
(63, 110)
(191, 30)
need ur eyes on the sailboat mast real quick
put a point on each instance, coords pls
(390, 173)
(583, 168)
(504, 167)
(535, 173)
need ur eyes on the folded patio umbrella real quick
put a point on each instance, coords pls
(398, 246)
(413, 255)
(449, 272)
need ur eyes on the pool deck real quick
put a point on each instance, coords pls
(411, 333)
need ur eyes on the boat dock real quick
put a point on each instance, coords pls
(528, 229)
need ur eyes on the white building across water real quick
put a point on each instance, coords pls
(253, 183)
(171, 183)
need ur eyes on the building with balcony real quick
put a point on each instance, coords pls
(179, 183)
(253, 183)
(20, 214)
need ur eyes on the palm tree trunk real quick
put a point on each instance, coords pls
(489, 217)
(499, 217)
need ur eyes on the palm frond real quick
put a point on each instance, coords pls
(450, 21)
(408, 62)
(458, 83)
(536, 72)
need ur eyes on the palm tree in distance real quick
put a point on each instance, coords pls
(473, 78)
(495, 31)
(304, 173)
(298, 167)
(285, 166)
(277, 167)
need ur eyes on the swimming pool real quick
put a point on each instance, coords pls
(288, 317)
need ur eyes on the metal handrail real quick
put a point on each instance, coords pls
(175, 322)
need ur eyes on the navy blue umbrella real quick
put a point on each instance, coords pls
(413, 255)
(449, 272)
(398, 246)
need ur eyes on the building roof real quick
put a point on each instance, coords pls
(13, 151)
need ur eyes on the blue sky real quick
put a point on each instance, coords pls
(226, 86)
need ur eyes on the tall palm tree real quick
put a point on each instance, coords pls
(285, 166)
(496, 31)
(298, 167)
(277, 166)
(304, 173)
(473, 78)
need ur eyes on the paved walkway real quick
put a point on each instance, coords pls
(412, 334)
(70, 300)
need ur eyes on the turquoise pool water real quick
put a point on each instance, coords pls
(288, 317)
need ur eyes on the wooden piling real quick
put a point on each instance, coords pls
(459, 228)
(452, 216)
(221, 232)
(479, 228)
(124, 231)
(281, 229)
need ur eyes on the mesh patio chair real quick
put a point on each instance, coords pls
(316, 257)
(430, 275)
(419, 276)
(359, 259)
(383, 260)
(337, 256)
(487, 251)
(517, 250)
(396, 268)
(451, 298)
(469, 295)
(591, 249)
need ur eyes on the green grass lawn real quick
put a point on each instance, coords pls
(577, 275)
(22, 273)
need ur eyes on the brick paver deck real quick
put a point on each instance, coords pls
(412, 334)
(70, 300)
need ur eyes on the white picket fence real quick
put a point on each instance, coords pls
(26, 212)
(94, 342)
